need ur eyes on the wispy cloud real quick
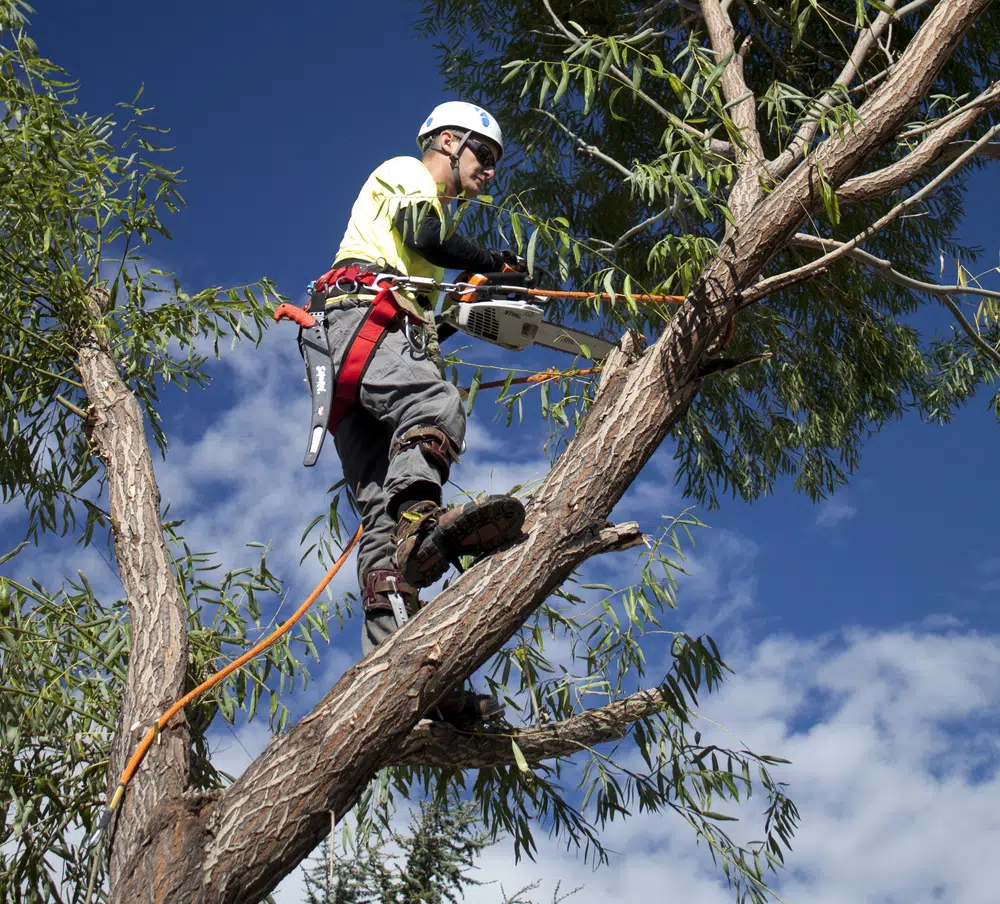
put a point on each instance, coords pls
(834, 511)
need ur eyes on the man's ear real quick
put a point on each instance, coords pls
(446, 141)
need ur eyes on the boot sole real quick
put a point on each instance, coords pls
(494, 523)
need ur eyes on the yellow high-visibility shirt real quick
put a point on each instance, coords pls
(399, 182)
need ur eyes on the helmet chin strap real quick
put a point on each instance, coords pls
(453, 157)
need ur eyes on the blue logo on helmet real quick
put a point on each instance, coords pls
(430, 119)
(484, 116)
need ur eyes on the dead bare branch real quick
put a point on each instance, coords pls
(432, 744)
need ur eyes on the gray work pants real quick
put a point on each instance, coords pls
(399, 391)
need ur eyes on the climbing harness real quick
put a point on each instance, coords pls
(140, 752)
(333, 395)
(492, 307)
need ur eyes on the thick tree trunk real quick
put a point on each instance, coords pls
(238, 848)
(158, 656)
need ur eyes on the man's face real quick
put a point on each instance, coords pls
(473, 171)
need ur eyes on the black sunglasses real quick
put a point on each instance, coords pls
(484, 153)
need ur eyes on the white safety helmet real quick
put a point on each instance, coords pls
(458, 115)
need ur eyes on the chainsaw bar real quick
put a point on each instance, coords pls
(576, 342)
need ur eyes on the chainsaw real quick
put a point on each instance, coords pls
(491, 311)
(509, 322)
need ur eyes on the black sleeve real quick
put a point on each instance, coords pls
(453, 253)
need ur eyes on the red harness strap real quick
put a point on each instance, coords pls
(366, 340)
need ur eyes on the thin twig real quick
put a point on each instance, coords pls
(589, 149)
(943, 293)
(639, 227)
(986, 97)
(971, 331)
(885, 267)
(722, 148)
(783, 164)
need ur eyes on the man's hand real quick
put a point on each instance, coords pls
(508, 260)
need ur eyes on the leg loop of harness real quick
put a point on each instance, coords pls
(435, 444)
(385, 593)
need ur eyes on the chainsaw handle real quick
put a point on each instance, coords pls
(472, 279)
(303, 318)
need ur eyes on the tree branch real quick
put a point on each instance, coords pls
(784, 162)
(639, 227)
(885, 267)
(750, 160)
(589, 149)
(157, 664)
(433, 744)
(943, 293)
(782, 280)
(721, 148)
(939, 148)
(970, 330)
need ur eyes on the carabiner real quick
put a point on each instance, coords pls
(419, 348)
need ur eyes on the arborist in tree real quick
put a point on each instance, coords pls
(398, 425)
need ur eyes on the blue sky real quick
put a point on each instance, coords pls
(881, 603)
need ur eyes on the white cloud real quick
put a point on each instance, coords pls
(834, 511)
(894, 742)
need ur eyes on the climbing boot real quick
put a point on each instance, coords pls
(466, 709)
(386, 593)
(430, 538)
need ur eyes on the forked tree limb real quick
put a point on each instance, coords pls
(239, 847)
(432, 744)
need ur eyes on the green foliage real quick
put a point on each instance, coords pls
(427, 865)
(63, 659)
(615, 173)
(78, 196)
(62, 670)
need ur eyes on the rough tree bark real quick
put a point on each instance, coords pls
(159, 650)
(238, 845)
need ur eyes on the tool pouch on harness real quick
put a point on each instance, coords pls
(333, 397)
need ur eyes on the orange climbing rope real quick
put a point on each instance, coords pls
(558, 293)
(208, 684)
(542, 377)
